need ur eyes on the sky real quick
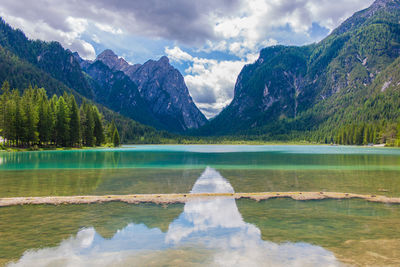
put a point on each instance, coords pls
(208, 41)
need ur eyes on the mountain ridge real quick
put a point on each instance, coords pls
(309, 91)
(163, 88)
(22, 70)
(70, 69)
(306, 92)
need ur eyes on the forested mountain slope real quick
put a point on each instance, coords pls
(163, 102)
(162, 88)
(24, 71)
(313, 91)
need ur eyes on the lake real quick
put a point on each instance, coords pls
(217, 231)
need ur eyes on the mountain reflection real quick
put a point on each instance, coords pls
(210, 231)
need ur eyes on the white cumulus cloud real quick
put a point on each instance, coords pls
(239, 28)
(69, 36)
(210, 81)
(176, 54)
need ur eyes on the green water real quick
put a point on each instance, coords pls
(351, 229)
(279, 231)
(174, 169)
(219, 157)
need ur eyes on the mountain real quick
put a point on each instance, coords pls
(24, 62)
(312, 91)
(49, 57)
(117, 91)
(114, 62)
(164, 102)
(347, 83)
(163, 89)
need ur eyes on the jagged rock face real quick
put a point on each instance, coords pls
(266, 91)
(117, 91)
(163, 89)
(114, 62)
(263, 87)
(61, 64)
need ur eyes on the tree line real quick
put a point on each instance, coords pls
(32, 119)
(364, 134)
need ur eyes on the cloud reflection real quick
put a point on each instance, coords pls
(211, 231)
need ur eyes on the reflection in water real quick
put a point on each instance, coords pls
(199, 157)
(210, 231)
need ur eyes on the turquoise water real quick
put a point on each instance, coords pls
(174, 169)
(217, 156)
(213, 232)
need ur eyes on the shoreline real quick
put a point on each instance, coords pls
(164, 199)
(16, 149)
(244, 143)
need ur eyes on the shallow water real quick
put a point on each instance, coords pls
(220, 232)
(174, 169)
(217, 156)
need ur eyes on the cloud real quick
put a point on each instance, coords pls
(68, 34)
(238, 28)
(95, 38)
(261, 23)
(258, 24)
(84, 49)
(177, 54)
(108, 28)
(187, 21)
(210, 81)
(208, 231)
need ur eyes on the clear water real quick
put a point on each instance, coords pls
(219, 232)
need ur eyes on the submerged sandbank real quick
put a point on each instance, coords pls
(183, 198)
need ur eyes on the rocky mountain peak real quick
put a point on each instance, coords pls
(164, 89)
(384, 3)
(357, 20)
(107, 53)
(161, 86)
(77, 57)
(289, 82)
(114, 62)
(164, 60)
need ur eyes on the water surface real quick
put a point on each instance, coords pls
(216, 232)
(174, 169)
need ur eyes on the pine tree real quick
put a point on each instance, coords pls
(53, 115)
(398, 135)
(9, 120)
(366, 135)
(62, 122)
(98, 127)
(371, 134)
(358, 135)
(87, 123)
(116, 140)
(110, 131)
(18, 123)
(44, 126)
(5, 94)
(33, 118)
(29, 116)
(74, 123)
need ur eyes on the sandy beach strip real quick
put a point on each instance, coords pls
(183, 198)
